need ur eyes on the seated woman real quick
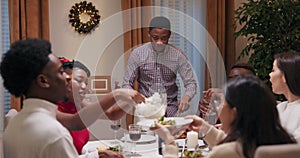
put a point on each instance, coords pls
(249, 119)
(76, 114)
(79, 74)
(285, 80)
(114, 105)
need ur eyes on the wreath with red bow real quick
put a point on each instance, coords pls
(84, 9)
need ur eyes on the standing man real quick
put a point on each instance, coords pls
(157, 63)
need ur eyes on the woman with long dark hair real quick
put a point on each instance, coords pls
(249, 119)
(285, 80)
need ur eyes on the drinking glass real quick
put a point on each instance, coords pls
(217, 102)
(214, 109)
(115, 126)
(134, 135)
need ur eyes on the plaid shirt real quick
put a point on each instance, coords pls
(151, 69)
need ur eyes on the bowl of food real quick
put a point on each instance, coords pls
(153, 108)
(172, 122)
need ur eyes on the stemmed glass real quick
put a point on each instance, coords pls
(134, 135)
(214, 109)
(115, 126)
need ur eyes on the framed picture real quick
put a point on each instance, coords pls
(100, 84)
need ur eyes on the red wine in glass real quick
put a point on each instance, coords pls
(135, 135)
(115, 126)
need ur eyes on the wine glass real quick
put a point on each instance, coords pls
(115, 126)
(214, 108)
(134, 135)
(217, 102)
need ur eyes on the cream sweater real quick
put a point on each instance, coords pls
(226, 150)
(289, 114)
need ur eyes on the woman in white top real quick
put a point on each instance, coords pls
(285, 79)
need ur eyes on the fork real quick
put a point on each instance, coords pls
(183, 147)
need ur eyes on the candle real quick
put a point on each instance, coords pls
(192, 139)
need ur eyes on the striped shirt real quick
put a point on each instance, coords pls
(156, 71)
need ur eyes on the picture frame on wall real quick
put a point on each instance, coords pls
(100, 84)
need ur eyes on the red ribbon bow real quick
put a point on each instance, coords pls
(64, 60)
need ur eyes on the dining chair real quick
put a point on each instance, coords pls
(278, 151)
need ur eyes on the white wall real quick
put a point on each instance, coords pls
(101, 50)
(68, 43)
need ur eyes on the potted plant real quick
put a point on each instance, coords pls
(270, 26)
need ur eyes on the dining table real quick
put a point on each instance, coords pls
(146, 148)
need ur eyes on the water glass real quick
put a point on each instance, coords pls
(135, 132)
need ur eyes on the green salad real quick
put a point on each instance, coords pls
(162, 121)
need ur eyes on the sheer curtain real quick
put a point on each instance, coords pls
(188, 21)
(133, 21)
(4, 45)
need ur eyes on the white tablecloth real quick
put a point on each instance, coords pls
(146, 150)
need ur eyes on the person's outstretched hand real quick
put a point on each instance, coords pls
(197, 122)
(184, 104)
(208, 93)
(163, 132)
(204, 102)
(203, 106)
(129, 95)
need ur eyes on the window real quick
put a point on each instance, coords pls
(4, 45)
(188, 21)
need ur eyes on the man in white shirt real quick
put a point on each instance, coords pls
(29, 69)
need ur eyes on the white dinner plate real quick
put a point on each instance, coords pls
(145, 139)
(180, 121)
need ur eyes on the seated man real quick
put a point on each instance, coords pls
(236, 70)
(31, 70)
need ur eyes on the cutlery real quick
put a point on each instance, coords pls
(183, 148)
(196, 147)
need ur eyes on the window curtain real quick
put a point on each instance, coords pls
(4, 46)
(134, 18)
(28, 19)
(188, 21)
(219, 20)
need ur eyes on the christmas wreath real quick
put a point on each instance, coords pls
(84, 17)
